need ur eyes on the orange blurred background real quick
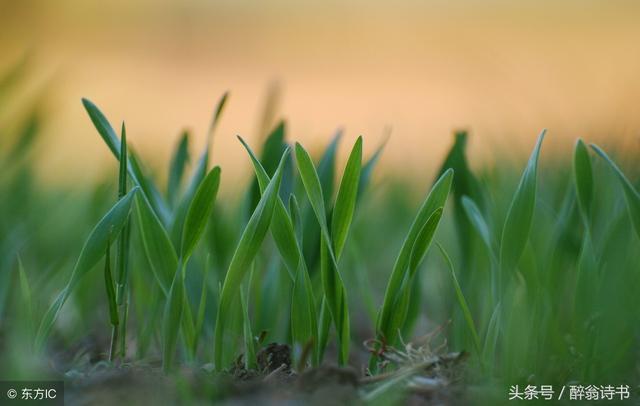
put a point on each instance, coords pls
(503, 69)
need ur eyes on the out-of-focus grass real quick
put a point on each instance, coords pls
(540, 282)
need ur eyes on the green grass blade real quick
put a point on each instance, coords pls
(250, 241)
(296, 218)
(272, 150)
(304, 328)
(423, 241)
(110, 138)
(325, 173)
(179, 162)
(112, 302)
(281, 224)
(491, 337)
(367, 169)
(199, 212)
(177, 222)
(180, 213)
(303, 314)
(436, 199)
(202, 306)
(249, 345)
(327, 167)
(583, 178)
(462, 301)
(479, 223)
(216, 116)
(157, 246)
(92, 251)
(324, 325)
(332, 281)
(171, 320)
(188, 324)
(520, 215)
(123, 239)
(346, 199)
(630, 193)
(110, 289)
(400, 309)
(312, 185)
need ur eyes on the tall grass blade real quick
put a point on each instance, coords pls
(346, 199)
(520, 215)
(388, 324)
(630, 193)
(122, 253)
(157, 246)
(110, 138)
(199, 212)
(367, 169)
(247, 248)
(462, 301)
(333, 285)
(249, 345)
(172, 319)
(92, 251)
(202, 307)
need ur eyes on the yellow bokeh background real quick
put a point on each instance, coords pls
(502, 69)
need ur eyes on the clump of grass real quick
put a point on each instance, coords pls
(543, 285)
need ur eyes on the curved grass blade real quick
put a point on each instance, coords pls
(281, 224)
(367, 168)
(247, 248)
(630, 193)
(157, 245)
(110, 138)
(397, 315)
(272, 150)
(303, 313)
(178, 309)
(216, 116)
(387, 328)
(346, 199)
(334, 290)
(199, 212)
(326, 173)
(477, 220)
(520, 215)
(92, 251)
(482, 228)
(171, 320)
(424, 241)
(202, 307)
(462, 302)
(312, 186)
(177, 222)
